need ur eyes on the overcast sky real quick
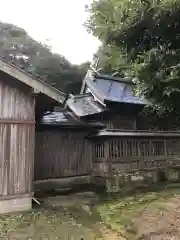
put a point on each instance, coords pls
(60, 21)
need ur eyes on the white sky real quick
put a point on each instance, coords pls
(60, 21)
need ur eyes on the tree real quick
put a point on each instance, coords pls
(145, 36)
(17, 47)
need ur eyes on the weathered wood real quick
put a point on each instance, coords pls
(62, 153)
(16, 104)
(118, 121)
(31, 81)
(132, 118)
(8, 197)
(17, 128)
(6, 121)
(17, 155)
(120, 155)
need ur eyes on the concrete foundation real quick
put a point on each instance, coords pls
(15, 205)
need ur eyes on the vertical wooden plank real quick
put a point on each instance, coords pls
(7, 166)
(4, 159)
(14, 164)
(30, 159)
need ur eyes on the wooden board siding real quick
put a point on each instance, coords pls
(119, 155)
(16, 149)
(119, 122)
(113, 120)
(17, 129)
(141, 122)
(136, 120)
(62, 153)
(16, 103)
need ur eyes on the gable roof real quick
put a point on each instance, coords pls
(37, 84)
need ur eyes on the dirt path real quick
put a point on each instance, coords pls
(161, 221)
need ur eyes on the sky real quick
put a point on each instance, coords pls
(59, 23)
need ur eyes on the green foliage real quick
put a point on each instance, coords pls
(143, 39)
(112, 59)
(17, 47)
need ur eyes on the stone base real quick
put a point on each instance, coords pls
(173, 174)
(60, 183)
(15, 205)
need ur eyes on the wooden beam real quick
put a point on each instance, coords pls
(138, 133)
(35, 91)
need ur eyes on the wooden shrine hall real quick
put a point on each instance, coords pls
(108, 135)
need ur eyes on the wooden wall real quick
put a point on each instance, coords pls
(120, 122)
(125, 155)
(62, 153)
(134, 118)
(133, 122)
(16, 137)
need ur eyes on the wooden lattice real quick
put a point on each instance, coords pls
(128, 148)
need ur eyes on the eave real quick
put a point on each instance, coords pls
(129, 133)
(38, 85)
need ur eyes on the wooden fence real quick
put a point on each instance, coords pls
(62, 153)
(118, 155)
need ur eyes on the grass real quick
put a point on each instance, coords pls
(118, 213)
(58, 223)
